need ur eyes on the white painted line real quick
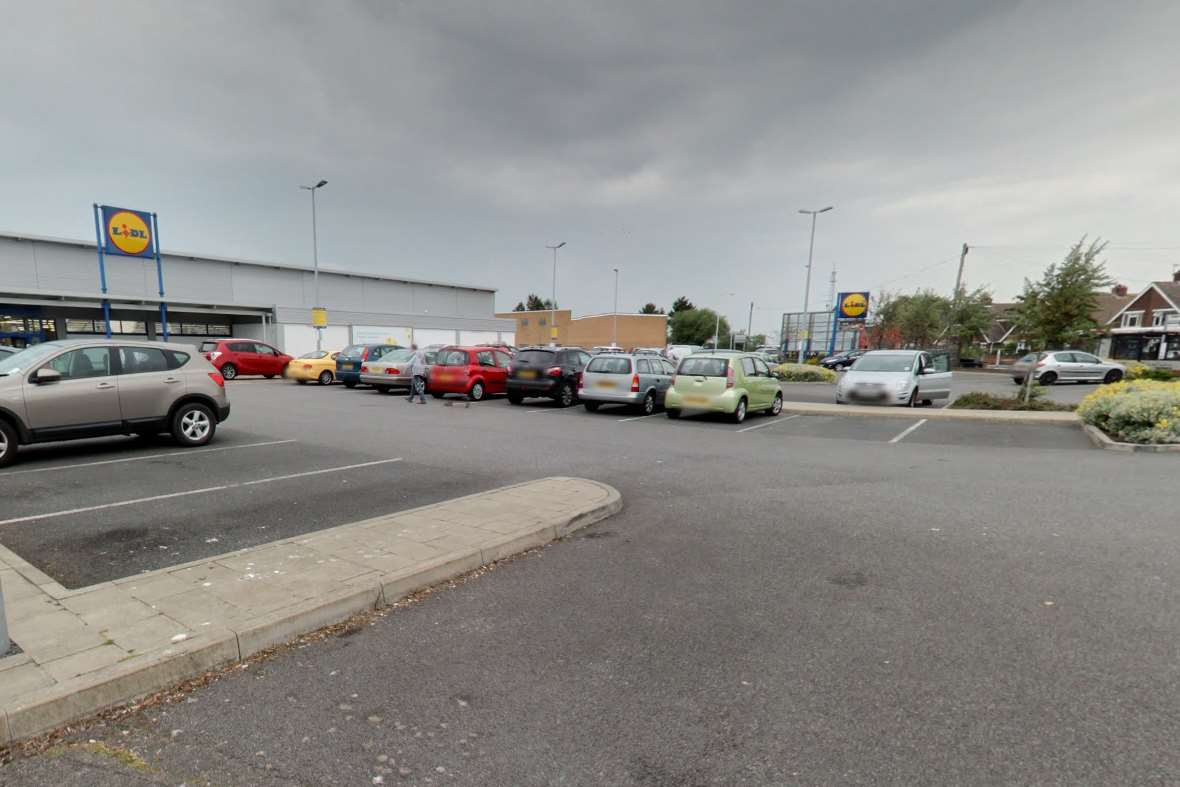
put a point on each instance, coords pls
(550, 410)
(908, 430)
(187, 452)
(769, 423)
(636, 418)
(153, 498)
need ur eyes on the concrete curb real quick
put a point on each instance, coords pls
(932, 414)
(77, 698)
(1104, 441)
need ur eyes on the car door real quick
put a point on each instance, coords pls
(85, 400)
(485, 362)
(503, 361)
(647, 376)
(753, 391)
(244, 357)
(769, 385)
(147, 387)
(1089, 367)
(268, 359)
(936, 384)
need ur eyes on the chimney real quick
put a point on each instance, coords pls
(1121, 289)
(1176, 275)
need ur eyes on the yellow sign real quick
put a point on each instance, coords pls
(855, 304)
(128, 232)
(553, 332)
(319, 317)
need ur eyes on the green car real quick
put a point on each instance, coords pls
(721, 382)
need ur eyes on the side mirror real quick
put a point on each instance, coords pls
(929, 370)
(45, 376)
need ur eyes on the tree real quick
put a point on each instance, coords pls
(681, 304)
(696, 326)
(1055, 311)
(519, 307)
(650, 308)
(968, 318)
(922, 317)
(535, 303)
(884, 322)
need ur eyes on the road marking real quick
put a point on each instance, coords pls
(549, 410)
(636, 418)
(153, 498)
(770, 423)
(186, 452)
(908, 430)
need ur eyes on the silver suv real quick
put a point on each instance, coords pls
(68, 390)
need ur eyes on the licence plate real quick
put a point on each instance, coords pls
(696, 399)
(604, 384)
(527, 374)
(348, 366)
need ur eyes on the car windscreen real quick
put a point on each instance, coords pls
(608, 365)
(535, 358)
(26, 357)
(451, 358)
(314, 355)
(884, 363)
(704, 367)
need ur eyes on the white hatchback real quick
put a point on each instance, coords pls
(896, 377)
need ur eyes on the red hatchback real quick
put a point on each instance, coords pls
(233, 357)
(472, 371)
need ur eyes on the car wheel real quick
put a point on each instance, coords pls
(776, 406)
(739, 412)
(350, 384)
(381, 389)
(566, 396)
(269, 376)
(673, 414)
(229, 371)
(649, 403)
(193, 424)
(476, 392)
(1018, 380)
(301, 382)
(325, 377)
(1113, 376)
(927, 402)
(515, 399)
(1048, 378)
(8, 443)
(591, 406)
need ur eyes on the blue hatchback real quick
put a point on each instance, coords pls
(348, 363)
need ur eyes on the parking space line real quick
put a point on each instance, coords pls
(769, 423)
(907, 431)
(636, 418)
(187, 452)
(153, 498)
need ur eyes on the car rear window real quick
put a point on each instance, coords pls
(535, 358)
(208, 347)
(605, 364)
(393, 356)
(704, 367)
(451, 358)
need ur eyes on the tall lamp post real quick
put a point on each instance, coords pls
(717, 330)
(553, 302)
(315, 254)
(615, 340)
(807, 286)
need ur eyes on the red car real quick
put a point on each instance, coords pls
(233, 357)
(472, 371)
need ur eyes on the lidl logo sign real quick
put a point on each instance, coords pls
(853, 305)
(128, 232)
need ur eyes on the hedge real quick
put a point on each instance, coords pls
(977, 400)
(804, 373)
(1135, 411)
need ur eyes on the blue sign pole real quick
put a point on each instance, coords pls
(160, 276)
(102, 271)
(835, 325)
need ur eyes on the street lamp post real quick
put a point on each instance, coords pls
(807, 286)
(717, 331)
(315, 255)
(553, 301)
(615, 339)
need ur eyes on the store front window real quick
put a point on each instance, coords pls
(1172, 350)
(1126, 348)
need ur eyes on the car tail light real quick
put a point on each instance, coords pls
(634, 383)
(393, 370)
(364, 369)
(217, 378)
(365, 355)
(554, 371)
(729, 378)
(580, 385)
(213, 356)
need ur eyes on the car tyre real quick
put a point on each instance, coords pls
(476, 392)
(739, 412)
(1048, 378)
(381, 389)
(9, 440)
(193, 424)
(776, 406)
(927, 402)
(350, 385)
(591, 407)
(437, 395)
(229, 371)
(673, 414)
(325, 377)
(649, 404)
(1018, 380)
(1113, 376)
(301, 382)
(515, 399)
(269, 376)
(566, 396)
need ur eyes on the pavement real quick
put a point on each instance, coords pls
(88, 649)
(961, 382)
(808, 600)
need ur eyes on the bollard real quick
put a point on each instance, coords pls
(4, 643)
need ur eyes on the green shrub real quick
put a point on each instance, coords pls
(803, 373)
(1135, 411)
(977, 400)
(1141, 371)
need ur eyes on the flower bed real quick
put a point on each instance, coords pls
(804, 373)
(1135, 411)
(977, 400)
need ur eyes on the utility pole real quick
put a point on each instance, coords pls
(959, 276)
(749, 326)
(955, 304)
(803, 345)
(553, 302)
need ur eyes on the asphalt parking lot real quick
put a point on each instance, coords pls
(963, 382)
(294, 460)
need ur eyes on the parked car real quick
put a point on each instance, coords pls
(6, 351)
(841, 360)
(235, 357)
(905, 377)
(674, 352)
(73, 389)
(391, 370)
(547, 372)
(1066, 366)
(639, 380)
(352, 357)
(317, 365)
(474, 372)
(607, 349)
(506, 348)
(723, 382)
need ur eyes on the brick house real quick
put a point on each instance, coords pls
(1147, 328)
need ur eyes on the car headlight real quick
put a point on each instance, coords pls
(902, 385)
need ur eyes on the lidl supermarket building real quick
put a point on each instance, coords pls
(49, 289)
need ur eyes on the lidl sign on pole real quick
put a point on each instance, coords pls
(127, 233)
(852, 306)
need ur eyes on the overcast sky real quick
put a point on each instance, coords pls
(673, 140)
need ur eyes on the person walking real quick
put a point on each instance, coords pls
(418, 374)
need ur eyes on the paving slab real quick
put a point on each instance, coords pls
(91, 648)
(932, 413)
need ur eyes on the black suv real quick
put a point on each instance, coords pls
(841, 360)
(549, 372)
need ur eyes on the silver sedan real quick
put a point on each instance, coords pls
(1067, 366)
